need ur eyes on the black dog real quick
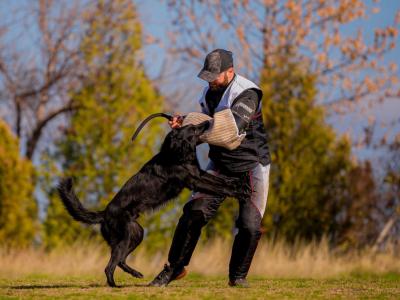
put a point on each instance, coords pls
(160, 180)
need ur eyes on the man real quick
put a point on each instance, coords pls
(231, 93)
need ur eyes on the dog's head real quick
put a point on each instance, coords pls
(180, 144)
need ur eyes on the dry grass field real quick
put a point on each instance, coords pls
(301, 271)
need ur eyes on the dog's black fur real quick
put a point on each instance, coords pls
(160, 180)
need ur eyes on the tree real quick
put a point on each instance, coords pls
(35, 80)
(360, 216)
(390, 229)
(18, 212)
(348, 66)
(309, 163)
(116, 96)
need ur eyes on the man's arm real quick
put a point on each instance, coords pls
(228, 126)
(245, 108)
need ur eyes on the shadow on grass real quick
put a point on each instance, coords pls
(135, 285)
(66, 286)
(53, 286)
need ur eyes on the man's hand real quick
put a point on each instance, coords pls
(176, 121)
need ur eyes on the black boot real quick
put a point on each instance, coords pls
(168, 274)
(185, 238)
(241, 282)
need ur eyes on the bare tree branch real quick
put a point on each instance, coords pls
(37, 131)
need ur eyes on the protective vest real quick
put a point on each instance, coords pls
(254, 148)
(237, 86)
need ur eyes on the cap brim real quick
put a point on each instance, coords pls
(207, 76)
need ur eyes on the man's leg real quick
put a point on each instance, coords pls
(249, 225)
(196, 213)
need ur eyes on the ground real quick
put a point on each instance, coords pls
(365, 286)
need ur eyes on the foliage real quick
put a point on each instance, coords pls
(18, 210)
(393, 173)
(392, 200)
(359, 220)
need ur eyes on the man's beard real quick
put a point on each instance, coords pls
(219, 86)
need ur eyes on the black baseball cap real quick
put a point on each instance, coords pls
(216, 62)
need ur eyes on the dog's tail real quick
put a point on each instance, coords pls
(75, 207)
(168, 117)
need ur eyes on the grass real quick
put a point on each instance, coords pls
(278, 272)
(365, 286)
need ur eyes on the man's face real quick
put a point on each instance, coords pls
(220, 83)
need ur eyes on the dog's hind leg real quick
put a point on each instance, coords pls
(136, 237)
(117, 255)
(129, 270)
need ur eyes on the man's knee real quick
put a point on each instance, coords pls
(251, 230)
(193, 216)
(250, 223)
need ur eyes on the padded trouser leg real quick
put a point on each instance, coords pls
(246, 241)
(197, 213)
(186, 236)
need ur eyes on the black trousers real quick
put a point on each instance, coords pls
(198, 211)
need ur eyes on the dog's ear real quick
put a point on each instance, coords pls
(185, 142)
(180, 144)
(202, 127)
